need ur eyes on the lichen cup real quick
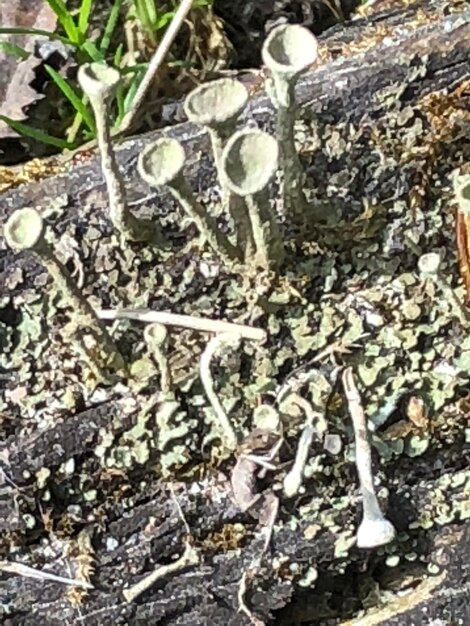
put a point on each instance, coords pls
(288, 51)
(161, 164)
(25, 230)
(99, 83)
(217, 106)
(249, 162)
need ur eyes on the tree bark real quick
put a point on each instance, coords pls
(130, 524)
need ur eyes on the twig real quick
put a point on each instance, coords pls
(156, 61)
(220, 342)
(189, 557)
(185, 321)
(241, 600)
(30, 572)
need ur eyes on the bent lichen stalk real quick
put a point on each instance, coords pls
(375, 529)
(217, 345)
(25, 230)
(99, 83)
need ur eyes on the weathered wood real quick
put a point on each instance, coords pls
(132, 520)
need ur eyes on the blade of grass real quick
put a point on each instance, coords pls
(84, 16)
(14, 50)
(110, 26)
(38, 135)
(66, 20)
(35, 31)
(92, 51)
(74, 99)
(133, 87)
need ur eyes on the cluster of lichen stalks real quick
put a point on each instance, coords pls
(246, 161)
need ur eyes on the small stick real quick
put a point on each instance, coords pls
(293, 480)
(156, 61)
(189, 557)
(220, 342)
(374, 530)
(185, 321)
(30, 572)
(241, 600)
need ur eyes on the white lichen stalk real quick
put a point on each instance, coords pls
(375, 529)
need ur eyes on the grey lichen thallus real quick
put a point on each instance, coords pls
(217, 106)
(374, 530)
(429, 266)
(249, 163)
(161, 164)
(288, 52)
(25, 230)
(99, 83)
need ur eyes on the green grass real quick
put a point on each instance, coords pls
(73, 31)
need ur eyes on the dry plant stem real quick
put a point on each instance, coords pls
(293, 480)
(462, 195)
(155, 63)
(30, 572)
(229, 342)
(374, 530)
(206, 224)
(189, 557)
(184, 321)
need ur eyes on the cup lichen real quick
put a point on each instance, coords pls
(161, 164)
(99, 83)
(288, 51)
(25, 230)
(249, 162)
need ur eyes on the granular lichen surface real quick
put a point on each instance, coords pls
(348, 294)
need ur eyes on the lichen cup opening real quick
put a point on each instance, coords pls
(250, 161)
(161, 162)
(217, 103)
(290, 49)
(24, 229)
(98, 80)
(430, 263)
